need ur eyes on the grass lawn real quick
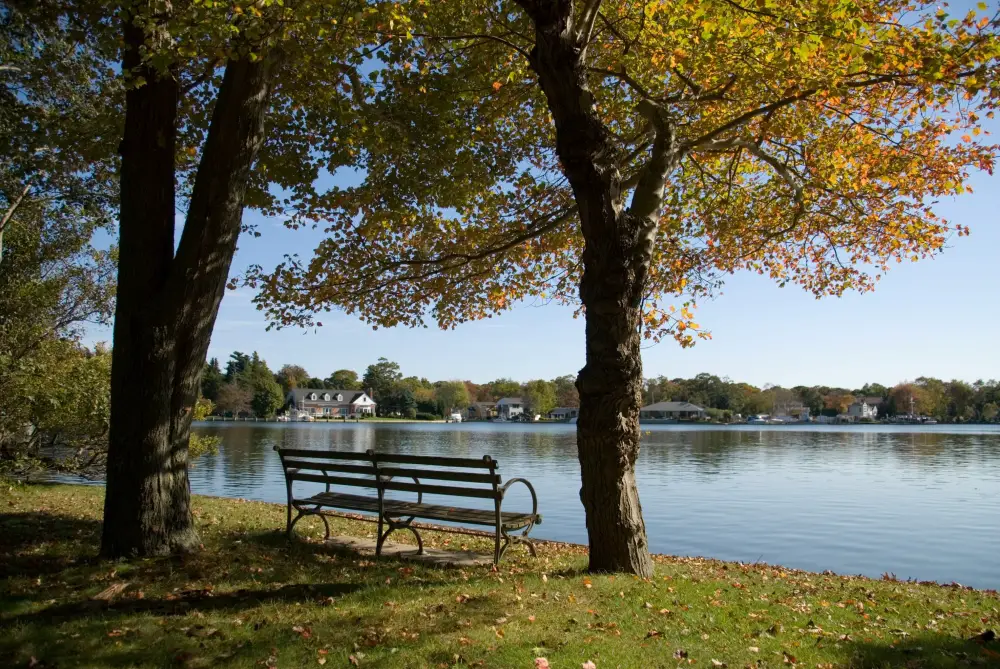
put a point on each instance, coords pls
(250, 599)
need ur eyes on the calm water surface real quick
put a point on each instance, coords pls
(917, 502)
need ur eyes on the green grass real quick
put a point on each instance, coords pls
(250, 599)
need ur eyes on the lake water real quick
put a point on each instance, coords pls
(919, 502)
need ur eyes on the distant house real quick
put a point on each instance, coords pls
(333, 403)
(481, 410)
(794, 413)
(671, 410)
(509, 407)
(564, 413)
(864, 409)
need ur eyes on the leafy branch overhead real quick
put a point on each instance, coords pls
(805, 142)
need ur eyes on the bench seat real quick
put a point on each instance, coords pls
(509, 519)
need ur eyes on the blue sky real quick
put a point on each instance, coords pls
(935, 318)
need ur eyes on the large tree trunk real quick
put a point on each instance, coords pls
(615, 261)
(167, 304)
(610, 386)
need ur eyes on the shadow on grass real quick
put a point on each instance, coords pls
(39, 543)
(185, 603)
(932, 651)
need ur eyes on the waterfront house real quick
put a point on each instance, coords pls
(864, 409)
(318, 402)
(481, 411)
(795, 413)
(671, 411)
(564, 413)
(510, 407)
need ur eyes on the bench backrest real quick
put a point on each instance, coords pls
(422, 474)
(434, 475)
(329, 467)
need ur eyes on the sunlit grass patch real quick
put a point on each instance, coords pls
(251, 599)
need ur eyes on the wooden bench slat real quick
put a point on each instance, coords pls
(342, 501)
(441, 475)
(292, 463)
(509, 519)
(293, 475)
(395, 508)
(329, 455)
(454, 491)
(437, 461)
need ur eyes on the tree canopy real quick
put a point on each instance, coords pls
(810, 143)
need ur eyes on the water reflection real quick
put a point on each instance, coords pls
(856, 500)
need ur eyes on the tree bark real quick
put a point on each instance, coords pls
(166, 303)
(615, 261)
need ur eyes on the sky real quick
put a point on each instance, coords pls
(936, 318)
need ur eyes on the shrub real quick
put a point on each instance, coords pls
(421, 415)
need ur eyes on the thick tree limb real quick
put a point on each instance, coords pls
(583, 28)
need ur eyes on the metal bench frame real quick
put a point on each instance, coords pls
(381, 472)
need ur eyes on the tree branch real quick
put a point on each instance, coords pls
(465, 258)
(623, 76)
(10, 214)
(583, 30)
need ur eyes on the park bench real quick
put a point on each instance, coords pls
(371, 475)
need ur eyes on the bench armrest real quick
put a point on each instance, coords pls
(531, 489)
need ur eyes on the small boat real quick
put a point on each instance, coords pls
(283, 418)
(759, 419)
(455, 418)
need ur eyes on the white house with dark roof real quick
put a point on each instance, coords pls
(508, 407)
(320, 402)
(864, 409)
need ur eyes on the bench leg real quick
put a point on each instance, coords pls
(301, 514)
(511, 539)
(382, 536)
(326, 525)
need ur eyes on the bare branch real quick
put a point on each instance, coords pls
(493, 38)
(466, 258)
(709, 137)
(623, 76)
(13, 207)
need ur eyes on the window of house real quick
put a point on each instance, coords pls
(312, 396)
(326, 396)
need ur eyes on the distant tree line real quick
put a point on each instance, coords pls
(247, 387)
(946, 401)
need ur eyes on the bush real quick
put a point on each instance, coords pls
(421, 415)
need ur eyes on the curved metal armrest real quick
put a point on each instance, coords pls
(531, 489)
